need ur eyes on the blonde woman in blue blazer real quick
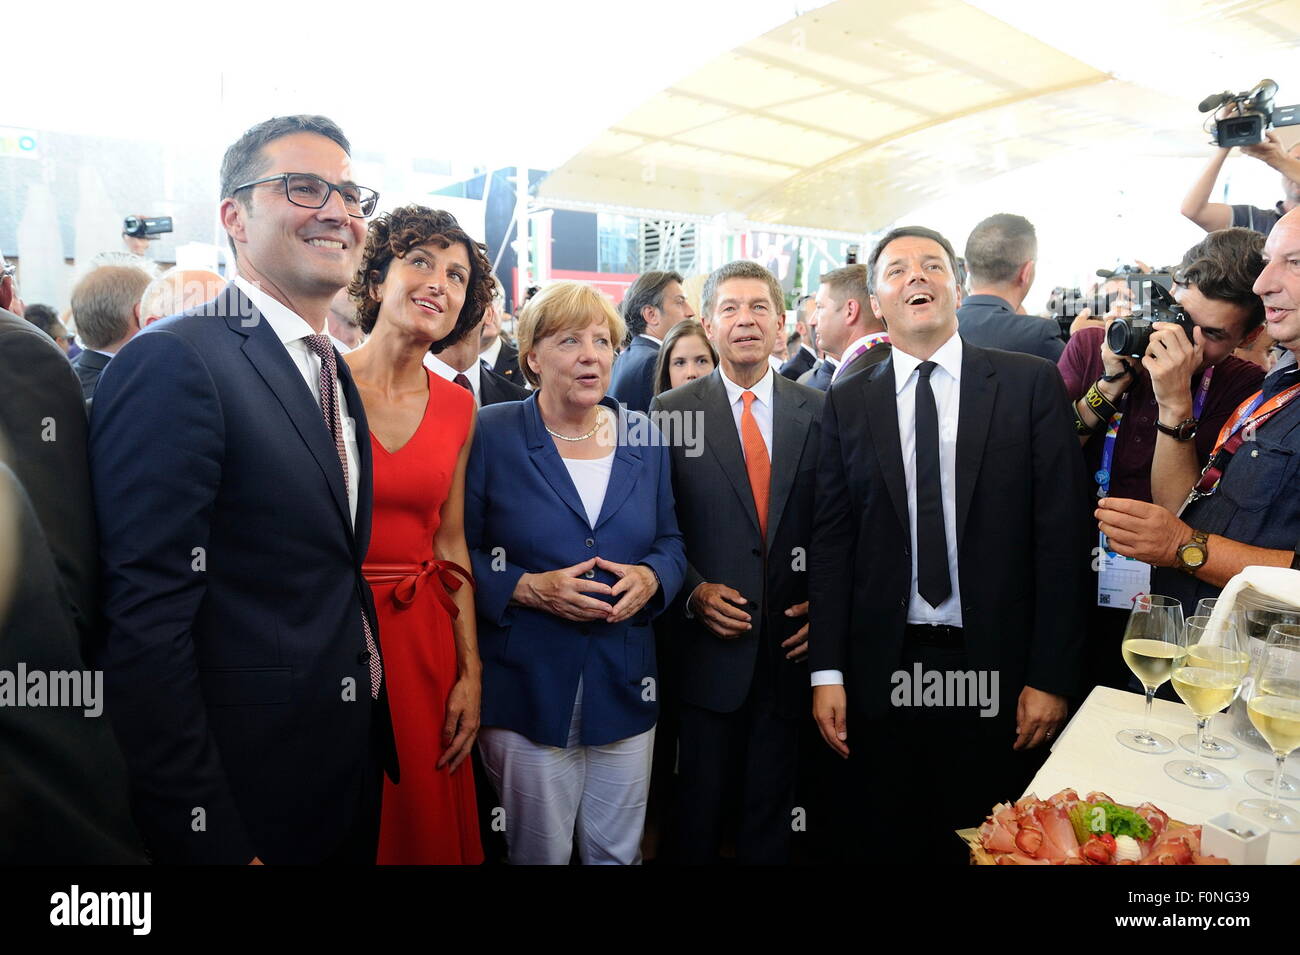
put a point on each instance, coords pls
(575, 546)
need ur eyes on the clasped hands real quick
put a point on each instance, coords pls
(720, 609)
(564, 592)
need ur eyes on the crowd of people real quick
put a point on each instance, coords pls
(370, 580)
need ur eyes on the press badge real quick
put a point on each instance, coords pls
(1120, 579)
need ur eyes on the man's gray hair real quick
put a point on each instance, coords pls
(104, 301)
(998, 247)
(742, 269)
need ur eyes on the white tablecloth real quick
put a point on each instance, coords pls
(1087, 757)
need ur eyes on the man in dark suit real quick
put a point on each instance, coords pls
(820, 375)
(744, 505)
(106, 307)
(232, 478)
(501, 356)
(849, 329)
(805, 356)
(652, 306)
(947, 545)
(44, 417)
(1000, 256)
(63, 784)
(461, 364)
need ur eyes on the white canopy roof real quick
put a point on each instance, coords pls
(851, 115)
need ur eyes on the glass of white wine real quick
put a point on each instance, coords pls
(1206, 678)
(1152, 641)
(1214, 747)
(1274, 709)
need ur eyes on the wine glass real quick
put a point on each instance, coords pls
(1152, 641)
(1274, 709)
(1259, 623)
(1207, 677)
(1214, 747)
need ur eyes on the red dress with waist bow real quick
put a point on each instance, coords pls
(429, 817)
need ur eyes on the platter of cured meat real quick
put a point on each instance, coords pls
(1094, 830)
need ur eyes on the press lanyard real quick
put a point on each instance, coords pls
(1248, 417)
(1103, 475)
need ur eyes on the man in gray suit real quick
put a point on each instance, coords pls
(744, 503)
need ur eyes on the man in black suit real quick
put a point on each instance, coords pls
(947, 545)
(652, 306)
(744, 503)
(232, 479)
(501, 356)
(460, 363)
(847, 326)
(805, 355)
(1000, 256)
(820, 375)
(106, 308)
(63, 784)
(44, 417)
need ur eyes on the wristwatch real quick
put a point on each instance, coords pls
(1193, 555)
(1183, 431)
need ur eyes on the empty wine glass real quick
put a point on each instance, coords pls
(1152, 641)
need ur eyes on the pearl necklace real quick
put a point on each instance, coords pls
(581, 437)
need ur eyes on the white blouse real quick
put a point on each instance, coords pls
(591, 478)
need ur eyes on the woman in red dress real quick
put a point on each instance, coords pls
(423, 283)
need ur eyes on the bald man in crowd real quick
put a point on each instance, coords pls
(176, 290)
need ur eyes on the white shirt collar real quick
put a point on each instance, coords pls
(287, 324)
(490, 353)
(804, 347)
(762, 390)
(444, 370)
(948, 357)
(650, 338)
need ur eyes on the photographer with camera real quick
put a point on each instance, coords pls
(1242, 509)
(1185, 380)
(1211, 216)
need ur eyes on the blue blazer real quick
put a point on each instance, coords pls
(233, 592)
(523, 515)
(633, 380)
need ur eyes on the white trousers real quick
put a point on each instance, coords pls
(548, 791)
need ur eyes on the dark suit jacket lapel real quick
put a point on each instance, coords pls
(627, 464)
(791, 422)
(723, 441)
(271, 359)
(978, 388)
(548, 461)
(881, 422)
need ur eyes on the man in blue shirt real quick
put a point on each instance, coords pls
(1243, 509)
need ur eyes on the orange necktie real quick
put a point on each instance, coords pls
(757, 463)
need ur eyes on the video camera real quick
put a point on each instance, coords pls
(1153, 302)
(144, 227)
(1255, 113)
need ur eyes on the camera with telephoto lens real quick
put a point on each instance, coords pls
(1129, 337)
(146, 227)
(1255, 113)
(1065, 305)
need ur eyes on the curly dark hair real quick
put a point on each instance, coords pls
(391, 235)
(1224, 266)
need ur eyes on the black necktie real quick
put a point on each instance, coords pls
(1274, 384)
(933, 582)
(461, 380)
